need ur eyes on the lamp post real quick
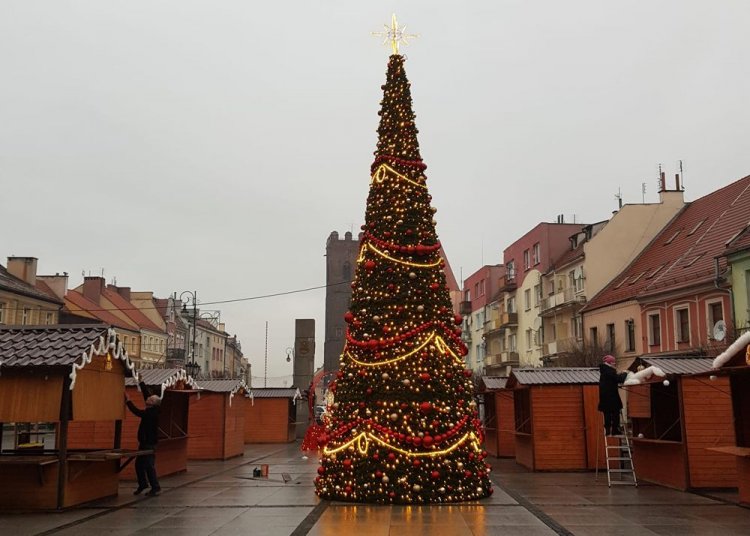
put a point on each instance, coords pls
(191, 297)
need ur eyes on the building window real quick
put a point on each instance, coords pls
(480, 354)
(594, 336)
(512, 342)
(630, 338)
(26, 318)
(578, 327)
(49, 318)
(481, 287)
(339, 333)
(611, 338)
(510, 270)
(527, 299)
(467, 295)
(526, 260)
(511, 305)
(346, 272)
(537, 254)
(537, 295)
(551, 287)
(528, 340)
(654, 330)
(2, 313)
(715, 313)
(476, 289)
(682, 324)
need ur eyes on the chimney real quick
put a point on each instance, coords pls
(58, 283)
(124, 292)
(222, 326)
(677, 181)
(23, 268)
(662, 182)
(93, 286)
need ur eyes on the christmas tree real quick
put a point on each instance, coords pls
(403, 426)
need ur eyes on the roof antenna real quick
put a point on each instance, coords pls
(682, 177)
(643, 192)
(618, 196)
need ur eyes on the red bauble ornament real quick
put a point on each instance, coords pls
(435, 475)
(434, 286)
(467, 473)
(391, 456)
(379, 473)
(458, 319)
(416, 463)
(417, 441)
(349, 317)
(425, 407)
(348, 489)
(321, 470)
(347, 463)
(427, 441)
(468, 373)
(369, 265)
(369, 391)
(425, 377)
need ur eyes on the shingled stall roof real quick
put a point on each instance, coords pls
(682, 255)
(494, 383)
(676, 365)
(163, 378)
(276, 392)
(553, 376)
(47, 346)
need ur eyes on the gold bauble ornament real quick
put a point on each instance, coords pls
(394, 416)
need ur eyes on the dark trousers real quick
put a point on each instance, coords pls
(145, 469)
(612, 422)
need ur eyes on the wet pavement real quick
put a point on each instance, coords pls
(223, 499)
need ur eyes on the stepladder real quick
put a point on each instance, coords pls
(619, 457)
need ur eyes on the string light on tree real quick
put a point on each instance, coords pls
(403, 427)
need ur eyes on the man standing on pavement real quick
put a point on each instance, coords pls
(148, 436)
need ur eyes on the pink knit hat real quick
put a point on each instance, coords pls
(609, 360)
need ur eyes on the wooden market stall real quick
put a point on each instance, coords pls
(499, 417)
(271, 418)
(174, 387)
(217, 420)
(557, 424)
(51, 377)
(677, 419)
(734, 365)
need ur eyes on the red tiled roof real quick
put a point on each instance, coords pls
(682, 255)
(130, 310)
(13, 284)
(83, 304)
(740, 243)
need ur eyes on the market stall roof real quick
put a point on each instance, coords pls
(163, 378)
(231, 386)
(678, 365)
(276, 392)
(553, 376)
(493, 383)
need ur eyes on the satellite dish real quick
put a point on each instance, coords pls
(537, 323)
(720, 330)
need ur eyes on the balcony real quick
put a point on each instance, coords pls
(509, 358)
(464, 308)
(559, 346)
(561, 300)
(508, 319)
(493, 359)
(492, 325)
(509, 284)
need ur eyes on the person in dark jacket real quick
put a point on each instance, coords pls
(148, 436)
(609, 397)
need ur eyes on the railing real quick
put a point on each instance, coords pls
(509, 358)
(464, 308)
(493, 359)
(564, 297)
(508, 319)
(558, 346)
(492, 325)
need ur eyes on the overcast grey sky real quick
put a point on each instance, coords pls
(214, 145)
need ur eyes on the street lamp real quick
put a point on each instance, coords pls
(191, 297)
